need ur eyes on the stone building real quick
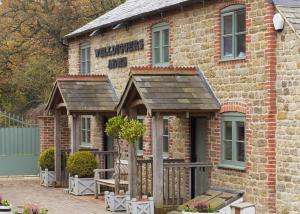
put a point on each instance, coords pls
(239, 110)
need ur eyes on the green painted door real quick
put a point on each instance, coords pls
(19, 147)
(200, 128)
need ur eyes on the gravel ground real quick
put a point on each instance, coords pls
(20, 191)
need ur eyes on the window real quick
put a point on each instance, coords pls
(85, 131)
(160, 44)
(233, 139)
(140, 143)
(233, 32)
(85, 58)
(166, 135)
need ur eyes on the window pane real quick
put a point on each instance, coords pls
(240, 131)
(83, 54)
(166, 54)
(240, 149)
(156, 55)
(83, 136)
(83, 70)
(140, 144)
(166, 128)
(241, 45)
(228, 150)
(156, 39)
(227, 24)
(88, 137)
(83, 123)
(241, 21)
(166, 144)
(228, 46)
(228, 130)
(166, 37)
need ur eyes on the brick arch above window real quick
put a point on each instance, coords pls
(235, 107)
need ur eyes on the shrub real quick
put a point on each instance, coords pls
(46, 159)
(82, 164)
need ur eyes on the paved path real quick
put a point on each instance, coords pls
(20, 191)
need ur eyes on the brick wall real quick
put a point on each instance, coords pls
(46, 125)
(288, 122)
(250, 82)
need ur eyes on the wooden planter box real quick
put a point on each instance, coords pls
(5, 209)
(81, 186)
(47, 178)
(224, 210)
(140, 207)
(114, 202)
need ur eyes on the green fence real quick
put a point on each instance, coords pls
(19, 146)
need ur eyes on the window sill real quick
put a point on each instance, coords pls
(233, 59)
(85, 146)
(227, 166)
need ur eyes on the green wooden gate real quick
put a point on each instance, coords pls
(19, 146)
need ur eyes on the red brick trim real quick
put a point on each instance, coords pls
(144, 70)
(78, 77)
(217, 30)
(170, 21)
(270, 69)
(216, 132)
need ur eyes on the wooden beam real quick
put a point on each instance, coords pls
(57, 144)
(136, 103)
(60, 105)
(74, 133)
(132, 173)
(158, 171)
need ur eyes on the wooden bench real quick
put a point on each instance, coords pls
(111, 181)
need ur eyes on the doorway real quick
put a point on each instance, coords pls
(199, 131)
(109, 159)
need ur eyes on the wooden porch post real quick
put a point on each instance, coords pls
(57, 144)
(75, 133)
(158, 171)
(132, 174)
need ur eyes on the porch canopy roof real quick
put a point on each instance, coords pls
(172, 89)
(83, 94)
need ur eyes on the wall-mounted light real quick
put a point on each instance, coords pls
(278, 22)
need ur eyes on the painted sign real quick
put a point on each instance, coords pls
(113, 50)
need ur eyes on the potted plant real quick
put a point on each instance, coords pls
(5, 207)
(198, 207)
(46, 162)
(116, 201)
(131, 132)
(81, 167)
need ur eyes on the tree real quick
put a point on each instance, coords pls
(132, 131)
(113, 129)
(32, 33)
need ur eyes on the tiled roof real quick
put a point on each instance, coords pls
(167, 92)
(130, 10)
(292, 16)
(84, 94)
(287, 3)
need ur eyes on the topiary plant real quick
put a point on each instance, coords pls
(82, 164)
(46, 160)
